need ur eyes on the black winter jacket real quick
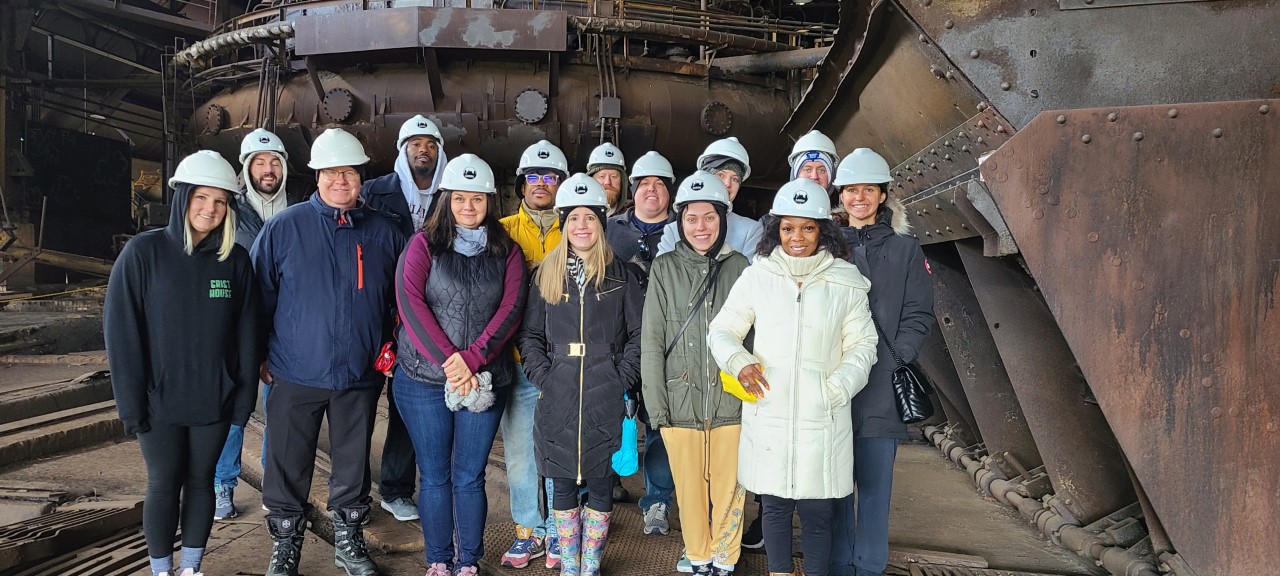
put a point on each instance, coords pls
(629, 244)
(383, 194)
(902, 301)
(578, 419)
(182, 330)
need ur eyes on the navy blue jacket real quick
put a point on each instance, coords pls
(383, 194)
(327, 278)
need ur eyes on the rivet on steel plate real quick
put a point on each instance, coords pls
(948, 228)
(927, 233)
(937, 72)
(1005, 85)
(1272, 427)
(920, 172)
(1207, 381)
(948, 24)
(1086, 138)
(946, 157)
(981, 140)
(1042, 190)
(926, 2)
(981, 124)
(946, 143)
(937, 206)
(1263, 109)
(1216, 412)
(1138, 285)
(1071, 212)
(1116, 261)
(1137, 136)
(1000, 128)
(961, 135)
(950, 75)
(1112, 117)
(1039, 214)
(1088, 2)
(1173, 112)
(1184, 333)
(933, 165)
(924, 38)
(982, 106)
(974, 54)
(936, 231)
(965, 226)
(1207, 357)
(1093, 236)
(1062, 119)
(1217, 132)
(917, 212)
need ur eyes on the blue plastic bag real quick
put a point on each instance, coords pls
(626, 461)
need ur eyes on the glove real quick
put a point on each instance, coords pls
(479, 400)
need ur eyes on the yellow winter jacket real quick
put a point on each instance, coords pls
(525, 232)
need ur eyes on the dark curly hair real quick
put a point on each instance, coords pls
(829, 237)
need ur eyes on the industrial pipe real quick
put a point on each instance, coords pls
(773, 61)
(233, 40)
(674, 33)
(1118, 561)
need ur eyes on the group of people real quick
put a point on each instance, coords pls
(755, 352)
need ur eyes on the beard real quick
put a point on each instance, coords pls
(426, 171)
(267, 189)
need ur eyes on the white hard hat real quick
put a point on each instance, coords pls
(261, 140)
(814, 141)
(728, 147)
(606, 155)
(543, 154)
(702, 187)
(652, 164)
(804, 198)
(862, 166)
(581, 190)
(468, 173)
(336, 147)
(205, 168)
(419, 126)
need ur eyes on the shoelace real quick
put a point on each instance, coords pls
(355, 542)
(290, 556)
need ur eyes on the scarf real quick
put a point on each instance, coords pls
(577, 270)
(419, 200)
(544, 219)
(469, 242)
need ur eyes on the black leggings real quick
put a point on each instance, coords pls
(180, 461)
(599, 494)
(815, 533)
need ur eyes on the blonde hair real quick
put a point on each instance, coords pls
(550, 275)
(228, 230)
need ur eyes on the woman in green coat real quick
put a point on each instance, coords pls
(699, 422)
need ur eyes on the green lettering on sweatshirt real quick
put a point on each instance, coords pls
(219, 288)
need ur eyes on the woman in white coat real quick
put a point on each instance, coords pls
(814, 348)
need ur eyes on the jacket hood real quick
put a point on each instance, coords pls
(624, 188)
(178, 217)
(896, 215)
(823, 265)
(407, 184)
(247, 182)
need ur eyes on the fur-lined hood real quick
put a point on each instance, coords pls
(898, 219)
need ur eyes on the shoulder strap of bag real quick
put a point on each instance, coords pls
(697, 305)
(887, 342)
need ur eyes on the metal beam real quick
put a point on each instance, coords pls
(184, 26)
(767, 62)
(93, 50)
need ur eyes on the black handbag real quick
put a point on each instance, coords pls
(911, 389)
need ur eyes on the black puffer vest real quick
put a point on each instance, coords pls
(464, 293)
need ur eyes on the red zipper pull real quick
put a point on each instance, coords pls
(359, 266)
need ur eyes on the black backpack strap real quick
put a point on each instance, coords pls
(697, 305)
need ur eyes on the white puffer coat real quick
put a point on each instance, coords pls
(816, 343)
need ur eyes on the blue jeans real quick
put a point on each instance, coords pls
(227, 472)
(860, 533)
(452, 451)
(658, 482)
(522, 466)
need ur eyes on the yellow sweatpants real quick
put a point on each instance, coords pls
(705, 468)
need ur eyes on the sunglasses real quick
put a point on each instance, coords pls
(551, 179)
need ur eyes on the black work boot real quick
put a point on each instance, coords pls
(350, 552)
(286, 548)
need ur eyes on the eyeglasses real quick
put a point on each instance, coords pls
(551, 179)
(331, 174)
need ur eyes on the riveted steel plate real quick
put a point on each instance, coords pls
(930, 570)
(1151, 232)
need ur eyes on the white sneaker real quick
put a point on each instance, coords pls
(190, 572)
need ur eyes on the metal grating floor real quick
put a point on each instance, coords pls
(628, 552)
(939, 570)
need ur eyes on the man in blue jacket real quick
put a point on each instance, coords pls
(327, 274)
(406, 196)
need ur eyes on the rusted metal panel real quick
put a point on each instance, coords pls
(937, 364)
(952, 157)
(1080, 453)
(1026, 56)
(977, 361)
(342, 32)
(1083, 4)
(1151, 231)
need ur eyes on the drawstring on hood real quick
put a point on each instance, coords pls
(412, 195)
(265, 206)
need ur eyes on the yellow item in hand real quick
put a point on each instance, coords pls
(732, 386)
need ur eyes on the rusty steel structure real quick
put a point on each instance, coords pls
(1092, 180)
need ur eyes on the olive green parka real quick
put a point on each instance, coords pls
(683, 390)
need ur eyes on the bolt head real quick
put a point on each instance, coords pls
(1062, 119)
(1086, 138)
(1263, 109)
(1217, 132)
(974, 54)
(1112, 117)
(1137, 136)
(1173, 112)
(948, 24)
(1005, 85)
